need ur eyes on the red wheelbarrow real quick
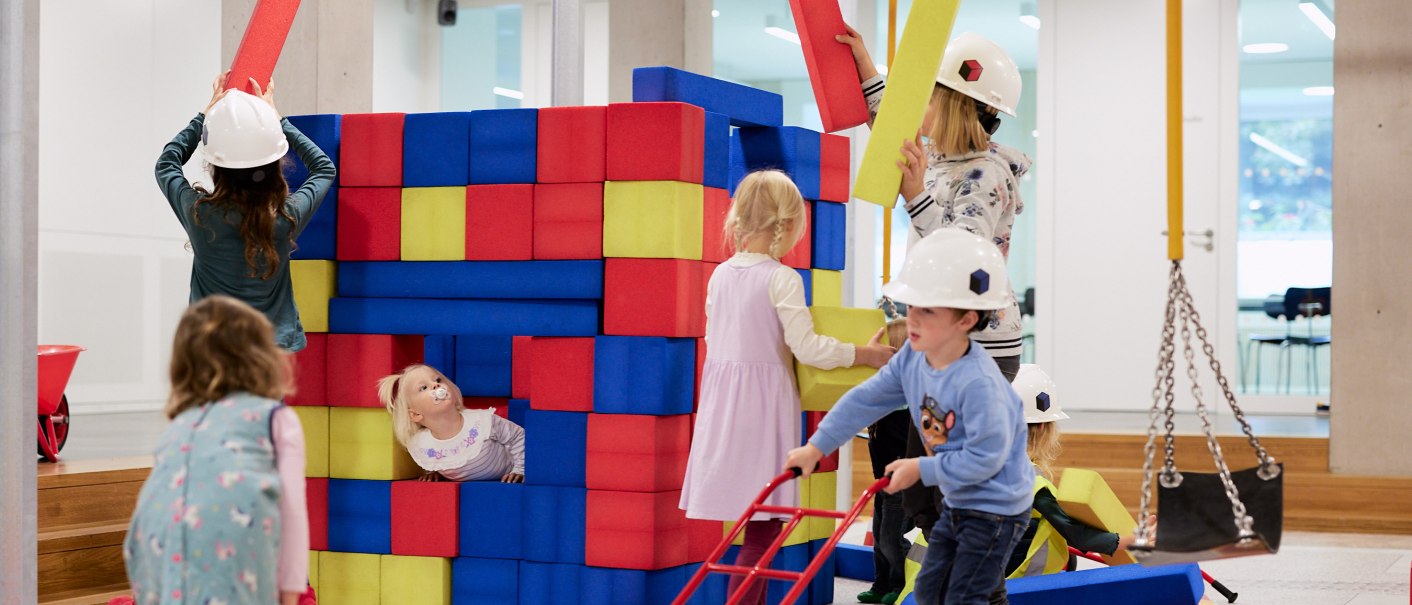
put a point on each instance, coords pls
(56, 363)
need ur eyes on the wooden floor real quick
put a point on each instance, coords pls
(84, 509)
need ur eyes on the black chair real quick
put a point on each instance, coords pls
(1308, 303)
(1027, 310)
(1275, 308)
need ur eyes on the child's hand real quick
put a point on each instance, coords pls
(268, 94)
(905, 473)
(874, 354)
(512, 478)
(854, 40)
(914, 167)
(1125, 540)
(803, 458)
(218, 91)
(432, 476)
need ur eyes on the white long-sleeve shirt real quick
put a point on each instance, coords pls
(787, 295)
(485, 449)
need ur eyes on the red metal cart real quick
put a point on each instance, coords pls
(761, 569)
(56, 363)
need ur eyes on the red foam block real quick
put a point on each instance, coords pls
(357, 361)
(568, 221)
(801, 254)
(500, 404)
(674, 286)
(715, 244)
(310, 372)
(316, 501)
(702, 536)
(370, 223)
(811, 424)
(561, 370)
(628, 530)
(652, 459)
(370, 151)
(499, 222)
(656, 142)
(832, 70)
(424, 518)
(834, 163)
(520, 360)
(260, 46)
(573, 145)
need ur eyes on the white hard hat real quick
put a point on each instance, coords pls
(952, 268)
(1036, 391)
(978, 68)
(243, 131)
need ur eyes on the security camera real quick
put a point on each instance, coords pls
(446, 12)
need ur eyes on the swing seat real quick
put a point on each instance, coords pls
(1194, 521)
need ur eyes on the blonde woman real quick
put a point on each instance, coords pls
(444, 438)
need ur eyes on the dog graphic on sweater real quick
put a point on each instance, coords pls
(936, 426)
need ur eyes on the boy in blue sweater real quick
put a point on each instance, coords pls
(966, 412)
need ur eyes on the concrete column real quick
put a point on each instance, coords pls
(326, 65)
(643, 33)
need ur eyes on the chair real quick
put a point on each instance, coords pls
(1027, 340)
(1308, 303)
(1275, 308)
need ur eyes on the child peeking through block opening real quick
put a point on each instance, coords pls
(444, 438)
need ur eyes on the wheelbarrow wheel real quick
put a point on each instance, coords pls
(60, 419)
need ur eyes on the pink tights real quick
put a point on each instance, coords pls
(758, 537)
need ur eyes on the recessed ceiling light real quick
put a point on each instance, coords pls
(715, 13)
(1030, 20)
(1319, 16)
(1319, 91)
(506, 92)
(1265, 48)
(783, 34)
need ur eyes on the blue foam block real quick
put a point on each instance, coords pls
(643, 375)
(518, 407)
(1127, 584)
(485, 581)
(540, 279)
(428, 316)
(605, 586)
(483, 365)
(716, 172)
(830, 234)
(792, 149)
(320, 236)
(790, 558)
(821, 587)
(550, 583)
(736, 161)
(555, 447)
(712, 590)
(746, 106)
(554, 524)
(326, 131)
(854, 562)
(436, 149)
(492, 520)
(503, 146)
(439, 351)
(808, 277)
(360, 516)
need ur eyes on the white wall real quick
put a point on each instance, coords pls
(406, 56)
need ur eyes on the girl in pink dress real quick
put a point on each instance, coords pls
(749, 415)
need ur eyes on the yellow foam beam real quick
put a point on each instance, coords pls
(828, 288)
(416, 580)
(315, 282)
(361, 446)
(314, 419)
(909, 87)
(652, 219)
(314, 572)
(353, 578)
(1087, 497)
(822, 494)
(820, 389)
(434, 223)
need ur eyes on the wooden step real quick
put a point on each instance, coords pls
(81, 572)
(81, 536)
(84, 508)
(1106, 450)
(89, 492)
(96, 596)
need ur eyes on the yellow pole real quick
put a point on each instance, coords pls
(1174, 130)
(887, 212)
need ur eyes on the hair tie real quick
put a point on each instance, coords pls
(257, 176)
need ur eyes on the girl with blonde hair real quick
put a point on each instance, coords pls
(447, 440)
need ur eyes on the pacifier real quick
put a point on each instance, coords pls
(440, 393)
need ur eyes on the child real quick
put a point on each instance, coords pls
(446, 439)
(749, 413)
(243, 230)
(222, 517)
(968, 416)
(887, 442)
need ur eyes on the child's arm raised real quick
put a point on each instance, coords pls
(868, 75)
(180, 196)
(304, 202)
(989, 438)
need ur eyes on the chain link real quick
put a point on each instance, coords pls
(1145, 534)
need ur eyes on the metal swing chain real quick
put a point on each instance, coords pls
(1145, 534)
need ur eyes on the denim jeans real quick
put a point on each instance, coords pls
(889, 546)
(966, 555)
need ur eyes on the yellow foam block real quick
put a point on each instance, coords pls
(652, 219)
(361, 446)
(315, 282)
(819, 389)
(314, 419)
(909, 88)
(353, 578)
(822, 493)
(1086, 496)
(828, 288)
(434, 223)
(416, 580)
(314, 571)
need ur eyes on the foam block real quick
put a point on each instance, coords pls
(827, 287)
(310, 372)
(314, 284)
(910, 81)
(499, 222)
(483, 365)
(819, 389)
(700, 365)
(550, 583)
(319, 239)
(499, 405)
(791, 149)
(314, 420)
(555, 447)
(370, 151)
(601, 586)
(799, 257)
(359, 518)
(819, 491)
(715, 244)
(807, 276)
(702, 537)
(361, 446)
(316, 503)
(439, 351)
(830, 462)
(628, 453)
(642, 375)
(821, 587)
(424, 521)
(790, 558)
(314, 570)
(712, 590)
(326, 131)
(492, 519)
(436, 149)
(832, 70)
(796, 538)
(357, 361)
(350, 578)
(746, 106)
(430, 316)
(503, 146)
(675, 287)
(736, 167)
(835, 161)
(521, 351)
(555, 280)
(370, 223)
(655, 142)
(830, 235)
(716, 171)
(573, 145)
(564, 370)
(485, 581)
(652, 219)
(568, 221)
(1088, 498)
(259, 48)
(631, 530)
(855, 562)
(434, 223)
(554, 525)
(415, 580)
(1128, 584)
(517, 409)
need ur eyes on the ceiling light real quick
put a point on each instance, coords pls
(1028, 15)
(783, 34)
(1319, 91)
(715, 13)
(1265, 48)
(506, 92)
(1270, 146)
(1319, 15)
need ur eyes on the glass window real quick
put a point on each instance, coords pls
(480, 59)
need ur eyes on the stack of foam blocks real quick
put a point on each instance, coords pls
(553, 263)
